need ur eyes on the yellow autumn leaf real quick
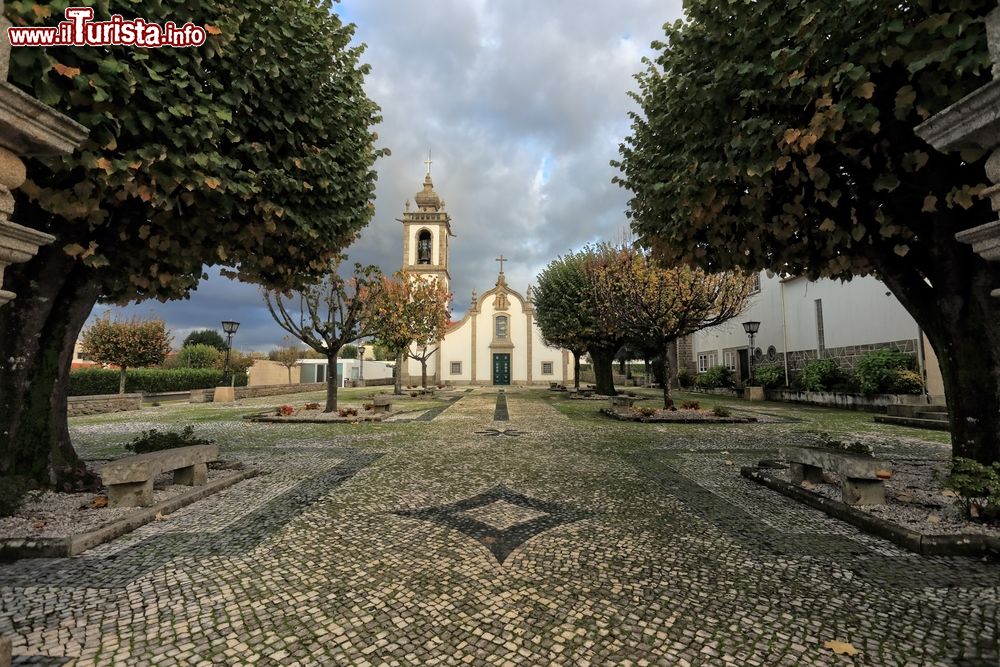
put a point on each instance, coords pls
(782, 162)
(212, 183)
(827, 225)
(41, 11)
(213, 30)
(930, 204)
(103, 163)
(864, 90)
(840, 648)
(74, 249)
(901, 250)
(812, 160)
(791, 135)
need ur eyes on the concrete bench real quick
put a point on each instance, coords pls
(130, 480)
(861, 477)
(381, 404)
(622, 403)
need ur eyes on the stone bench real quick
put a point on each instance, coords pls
(381, 404)
(130, 480)
(861, 477)
(622, 403)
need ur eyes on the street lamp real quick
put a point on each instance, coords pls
(361, 360)
(230, 328)
(751, 328)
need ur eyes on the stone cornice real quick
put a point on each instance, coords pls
(972, 122)
(30, 128)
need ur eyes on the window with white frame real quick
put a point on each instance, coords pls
(729, 359)
(705, 361)
(546, 368)
(755, 284)
(456, 368)
(501, 326)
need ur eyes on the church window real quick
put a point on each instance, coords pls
(546, 368)
(501, 327)
(456, 368)
(424, 247)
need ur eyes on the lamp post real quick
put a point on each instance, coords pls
(229, 327)
(361, 360)
(751, 328)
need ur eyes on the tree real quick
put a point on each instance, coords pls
(252, 152)
(198, 355)
(809, 165)
(205, 337)
(288, 356)
(410, 318)
(126, 343)
(568, 315)
(659, 304)
(331, 313)
(349, 352)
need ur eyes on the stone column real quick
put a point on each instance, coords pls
(974, 122)
(28, 128)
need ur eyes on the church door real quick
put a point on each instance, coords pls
(501, 369)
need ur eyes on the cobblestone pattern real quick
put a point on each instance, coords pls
(343, 555)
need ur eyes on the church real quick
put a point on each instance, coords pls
(497, 342)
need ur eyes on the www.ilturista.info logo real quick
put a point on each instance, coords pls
(79, 29)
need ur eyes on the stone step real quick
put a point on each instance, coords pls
(927, 414)
(916, 422)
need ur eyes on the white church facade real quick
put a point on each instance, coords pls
(497, 342)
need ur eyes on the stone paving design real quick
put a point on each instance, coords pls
(365, 546)
(500, 519)
(494, 432)
(500, 414)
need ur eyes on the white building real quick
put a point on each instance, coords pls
(498, 341)
(316, 370)
(822, 319)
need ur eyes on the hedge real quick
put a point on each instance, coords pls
(90, 381)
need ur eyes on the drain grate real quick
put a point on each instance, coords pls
(500, 414)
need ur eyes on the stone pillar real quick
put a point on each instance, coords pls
(27, 128)
(974, 122)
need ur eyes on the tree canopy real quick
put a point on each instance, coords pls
(205, 337)
(126, 343)
(776, 135)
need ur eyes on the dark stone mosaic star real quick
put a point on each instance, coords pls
(500, 519)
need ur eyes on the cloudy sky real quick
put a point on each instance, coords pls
(523, 105)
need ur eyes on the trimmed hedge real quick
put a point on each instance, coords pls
(91, 381)
(888, 372)
(716, 377)
(769, 376)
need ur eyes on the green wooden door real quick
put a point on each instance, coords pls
(501, 369)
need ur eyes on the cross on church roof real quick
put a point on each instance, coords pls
(501, 259)
(428, 161)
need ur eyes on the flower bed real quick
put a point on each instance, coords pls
(679, 416)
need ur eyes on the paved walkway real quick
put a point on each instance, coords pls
(543, 539)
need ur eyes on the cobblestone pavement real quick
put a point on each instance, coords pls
(582, 541)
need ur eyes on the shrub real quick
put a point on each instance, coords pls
(157, 441)
(827, 441)
(198, 355)
(879, 372)
(977, 486)
(13, 492)
(90, 381)
(715, 377)
(720, 411)
(906, 382)
(312, 406)
(683, 378)
(348, 412)
(769, 376)
(286, 410)
(820, 375)
(646, 412)
(691, 405)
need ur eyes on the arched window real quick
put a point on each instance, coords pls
(424, 247)
(501, 326)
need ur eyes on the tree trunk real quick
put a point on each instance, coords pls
(121, 380)
(576, 370)
(665, 369)
(649, 368)
(289, 374)
(604, 360)
(55, 295)
(399, 374)
(423, 372)
(959, 318)
(331, 382)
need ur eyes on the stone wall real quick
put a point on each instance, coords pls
(874, 403)
(847, 357)
(77, 406)
(205, 395)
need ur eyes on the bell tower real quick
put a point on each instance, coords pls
(426, 232)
